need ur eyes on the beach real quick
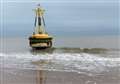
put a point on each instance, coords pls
(17, 76)
(86, 42)
(20, 64)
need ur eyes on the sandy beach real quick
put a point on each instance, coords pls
(82, 38)
(19, 76)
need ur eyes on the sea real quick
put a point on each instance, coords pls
(78, 60)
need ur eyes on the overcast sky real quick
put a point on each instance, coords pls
(63, 17)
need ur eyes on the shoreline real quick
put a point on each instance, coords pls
(17, 76)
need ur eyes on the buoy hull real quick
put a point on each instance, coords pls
(40, 43)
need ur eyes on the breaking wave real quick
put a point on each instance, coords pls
(69, 62)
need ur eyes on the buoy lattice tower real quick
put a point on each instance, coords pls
(39, 20)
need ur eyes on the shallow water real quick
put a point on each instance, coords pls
(63, 60)
(60, 65)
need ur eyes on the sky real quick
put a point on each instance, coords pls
(62, 17)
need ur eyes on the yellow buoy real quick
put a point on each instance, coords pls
(40, 38)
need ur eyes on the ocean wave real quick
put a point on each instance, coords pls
(71, 50)
(70, 62)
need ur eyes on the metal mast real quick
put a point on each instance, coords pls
(39, 20)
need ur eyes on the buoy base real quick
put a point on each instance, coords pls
(40, 43)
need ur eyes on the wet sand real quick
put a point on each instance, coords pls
(19, 76)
